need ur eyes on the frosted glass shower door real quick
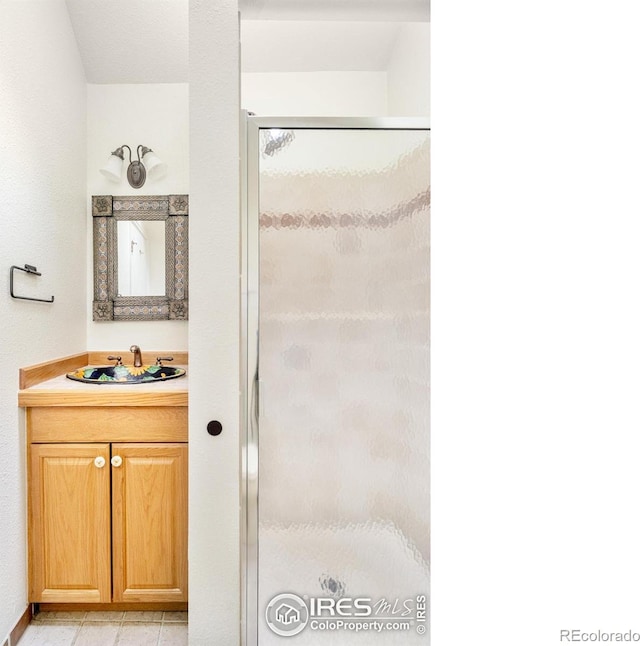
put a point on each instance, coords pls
(343, 448)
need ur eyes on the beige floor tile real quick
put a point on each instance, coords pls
(99, 633)
(50, 634)
(59, 616)
(174, 635)
(104, 615)
(177, 617)
(143, 615)
(133, 634)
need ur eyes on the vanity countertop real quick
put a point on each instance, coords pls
(61, 391)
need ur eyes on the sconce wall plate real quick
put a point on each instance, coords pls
(136, 174)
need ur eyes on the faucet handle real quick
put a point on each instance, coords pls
(159, 360)
(118, 360)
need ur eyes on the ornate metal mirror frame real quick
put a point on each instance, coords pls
(106, 211)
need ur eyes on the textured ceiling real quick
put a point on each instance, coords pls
(147, 41)
(132, 41)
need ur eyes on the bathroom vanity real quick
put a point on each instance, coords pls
(107, 488)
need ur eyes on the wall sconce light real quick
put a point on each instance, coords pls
(150, 164)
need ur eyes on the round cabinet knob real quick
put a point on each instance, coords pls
(99, 462)
(214, 428)
(116, 461)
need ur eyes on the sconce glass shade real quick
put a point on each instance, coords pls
(113, 168)
(156, 168)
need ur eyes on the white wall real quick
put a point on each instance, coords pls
(400, 86)
(409, 72)
(43, 216)
(301, 94)
(214, 345)
(156, 116)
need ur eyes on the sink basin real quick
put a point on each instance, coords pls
(126, 374)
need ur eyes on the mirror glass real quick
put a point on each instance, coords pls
(141, 257)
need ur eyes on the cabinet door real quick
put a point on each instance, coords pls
(69, 522)
(149, 522)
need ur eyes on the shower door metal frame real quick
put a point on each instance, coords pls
(250, 128)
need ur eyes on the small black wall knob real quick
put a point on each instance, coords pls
(214, 427)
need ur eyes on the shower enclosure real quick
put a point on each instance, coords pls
(336, 325)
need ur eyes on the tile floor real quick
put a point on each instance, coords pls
(107, 628)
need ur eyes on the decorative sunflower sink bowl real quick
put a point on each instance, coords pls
(126, 374)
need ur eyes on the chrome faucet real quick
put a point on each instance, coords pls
(137, 356)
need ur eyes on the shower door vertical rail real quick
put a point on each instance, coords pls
(250, 168)
(252, 398)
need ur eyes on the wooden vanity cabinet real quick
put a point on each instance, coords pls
(107, 520)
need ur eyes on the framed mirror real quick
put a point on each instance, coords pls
(140, 258)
